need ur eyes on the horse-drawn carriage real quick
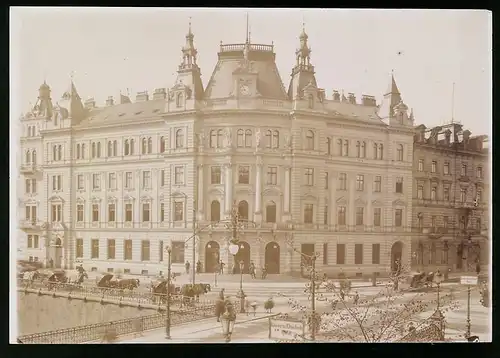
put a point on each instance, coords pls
(160, 290)
(110, 281)
(421, 279)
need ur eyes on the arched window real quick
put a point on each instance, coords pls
(268, 139)
(215, 210)
(243, 209)
(375, 151)
(339, 146)
(54, 153)
(328, 146)
(363, 150)
(115, 148)
(33, 157)
(213, 139)
(179, 139)
(271, 212)
(346, 148)
(276, 139)
(420, 221)
(78, 151)
(433, 254)
(144, 145)
(110, 148)
(400, 153)
(150, 145)
(162, 144)
(59, 152)
(240, 138)
(98, 149)
(381, 151)
(248, 138)
(132, 142)
(310, 140)
(358, 149)
(220, 138)
(310, 99)
(93, 150)
(83, 151)
(27, 159)
(178, 100)
(126, 147)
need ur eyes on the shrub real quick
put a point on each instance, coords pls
(345, 285)
(269, 304)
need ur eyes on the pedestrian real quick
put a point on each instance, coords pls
(221, 294)
(198, 267)
(356, 298)
(221, 267)
(51, 263)
(187, 266)
(252, 269)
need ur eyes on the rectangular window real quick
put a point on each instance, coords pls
(272, 175)
(309, 173)
(179, 175)
(342, 181)
(340, 254)
(399, 185)
(57, 182)
(446, 193)
(398, 220)
(145, 250)
(178, 252)
(127, 249)
(325, 254)
(463, 172)
(325, 215)
(377, 216)
(341, 210)
(79, 248)
(128, 180)
(128, 212)
(162, 179)
(162, 212)
(376, 254)
(377, 188)
(358, 254)
(160, 251)
(308, 213)
(446, 168)
(96, 181)
(30, 186)
(30, 241)
(243, 174)
(445, 222)
(433, 193)
(360, 182)
(433, 221)
(111, 212)
(420, 192)
(463, 195)
(479, 172)
(111, 249)
(80, 182)
(79, 213)
(56, 212)
(112, 181)
(146, 212)
(146, 179)
(434, 166)
(326, 180)
(178, 211)
(420, 165)
(215, 175)
(359, 215)
(95, 212)
(94, 249)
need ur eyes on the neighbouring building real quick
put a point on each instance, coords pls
(112, 186)
(450, 199)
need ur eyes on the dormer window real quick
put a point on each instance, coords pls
(178, 100)
(310, 99)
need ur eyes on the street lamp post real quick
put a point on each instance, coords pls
(169, 272)
(438, 279)
(233, 250)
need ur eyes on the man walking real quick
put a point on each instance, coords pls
(187, 266)
(221, 267)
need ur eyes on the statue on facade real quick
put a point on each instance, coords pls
(258, 137)
(227, 134)
(200, 139)
(288, 140)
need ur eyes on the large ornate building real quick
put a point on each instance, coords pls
(450, 199)
(112, 186)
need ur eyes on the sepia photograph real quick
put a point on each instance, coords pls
(233, 175)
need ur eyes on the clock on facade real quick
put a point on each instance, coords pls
(244, 90)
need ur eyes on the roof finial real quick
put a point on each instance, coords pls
(72, 75)
(303, 24)
(248, 31)
(190, 24)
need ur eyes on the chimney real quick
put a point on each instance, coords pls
(90, 103)
(352, 98)
(369, 101)
(142, 96)
(159, 93)
(110, 101)
(336, 96)
(447, 137)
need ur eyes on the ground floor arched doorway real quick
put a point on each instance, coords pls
(55, 253)
(396, 255)
(212, 249)
(272, 258)
(242, 255)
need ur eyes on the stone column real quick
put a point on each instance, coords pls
(258, 190)
(286, 197)
(369, 209)
(351, 221)
(228, 181)
(332, 203)
(201, 189)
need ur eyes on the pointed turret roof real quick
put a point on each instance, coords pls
(393, 87)
(391, 99)
(72, 102)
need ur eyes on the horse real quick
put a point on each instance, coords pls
(30, 276)
(129, 283)
(76, 277)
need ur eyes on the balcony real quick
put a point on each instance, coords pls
(29, 169)
(467, 205)
(30, 225)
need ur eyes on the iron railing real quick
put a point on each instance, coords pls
(100, 331)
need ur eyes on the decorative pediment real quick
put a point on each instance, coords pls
(360, 201)
(309, 196)
(247, 191)
(342, 200)
(111, 198)
(179, 194)
(216, 191)
(30, 201)
(377, 203)
(398, 202)
(128, 197)
(80, 199)
(146, 198)
(272, 191)
(96, 199)
(56, 198)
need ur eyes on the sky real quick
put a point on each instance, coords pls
(110, 49)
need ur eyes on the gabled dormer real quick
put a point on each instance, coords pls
(69, 110)
(420, 133)
(245, 79)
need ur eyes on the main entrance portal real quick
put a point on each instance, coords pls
(272, 259)
(242, 255)
(212, 250)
